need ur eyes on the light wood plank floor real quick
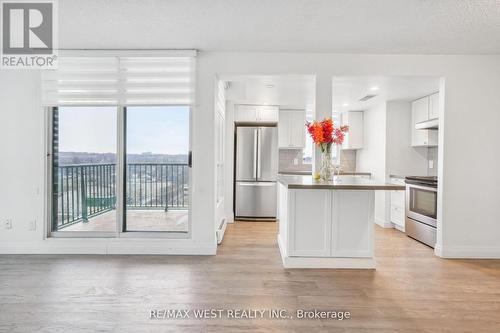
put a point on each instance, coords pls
(411, 290)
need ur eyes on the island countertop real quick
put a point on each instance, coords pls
(338, 183)
(309, 173)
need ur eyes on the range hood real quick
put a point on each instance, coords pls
(431, 124)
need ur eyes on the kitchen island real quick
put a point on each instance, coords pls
(327, 224)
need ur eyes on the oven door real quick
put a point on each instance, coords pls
(421, 204)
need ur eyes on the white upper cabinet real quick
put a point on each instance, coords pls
(420, 112)
(292, 129)
(434, 106)
(245, 113)
(354, 137)
(268, 114)
(424, 109)
(255, 114)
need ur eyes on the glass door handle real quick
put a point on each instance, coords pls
(190, 159)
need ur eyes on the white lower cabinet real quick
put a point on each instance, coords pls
(398, 205)
(310, 223)
(326, 223)
(352, 223)
(398, 217)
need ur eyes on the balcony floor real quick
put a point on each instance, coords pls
(137, 220)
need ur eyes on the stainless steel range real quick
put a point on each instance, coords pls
(421, 209)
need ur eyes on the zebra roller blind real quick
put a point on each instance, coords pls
(120, 80)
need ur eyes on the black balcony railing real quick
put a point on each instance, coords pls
(86, 190)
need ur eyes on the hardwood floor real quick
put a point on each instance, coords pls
(410, 291)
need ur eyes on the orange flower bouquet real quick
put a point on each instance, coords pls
(324, 135)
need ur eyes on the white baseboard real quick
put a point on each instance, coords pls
(111, 246)
(230, 218)
(383, 223)
(221, 231)
(281, 247)
(328, 262)
(467, 252)
(398, 227)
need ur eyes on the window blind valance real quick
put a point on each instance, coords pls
(120, 80)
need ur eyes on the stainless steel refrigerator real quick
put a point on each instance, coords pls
(256, 172)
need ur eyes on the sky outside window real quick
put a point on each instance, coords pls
(156, 130)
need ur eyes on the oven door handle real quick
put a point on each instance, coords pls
(427, 188)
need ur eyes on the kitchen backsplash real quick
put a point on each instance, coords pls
(432, 155)
(291, 160)
(348, 160)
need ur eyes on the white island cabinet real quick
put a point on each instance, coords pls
(327, 224)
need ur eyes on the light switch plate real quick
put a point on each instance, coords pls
(431, 164)
(295, 161)
(8, 224)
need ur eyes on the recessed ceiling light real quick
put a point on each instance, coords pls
(269, 86)
(345, 104)
(374, 88)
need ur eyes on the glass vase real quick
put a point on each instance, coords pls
(326, 171)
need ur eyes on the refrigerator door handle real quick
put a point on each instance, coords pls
(259, 149)
(254, 184)
(255, 147)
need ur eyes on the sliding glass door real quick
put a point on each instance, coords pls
(94, 191)
(156, 169)
(84, 157)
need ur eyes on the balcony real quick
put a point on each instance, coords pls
(156, 197)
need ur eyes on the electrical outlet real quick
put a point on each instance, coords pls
(32, 225)
(431, 164)
(8, 224)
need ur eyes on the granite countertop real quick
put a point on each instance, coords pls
(339, 183)
(342, 173)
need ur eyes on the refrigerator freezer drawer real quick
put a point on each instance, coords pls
(255, 199)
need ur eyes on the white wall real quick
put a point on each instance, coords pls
(388, 127)
(372, 157)
(21, 157)
(229, 195)
(23, 168)
(468, 189)
(387, 150)
(402, 159)
(220, 128)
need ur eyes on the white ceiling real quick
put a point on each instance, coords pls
(341, 26)
(347, 90)
(299, 91)
(287, 91)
